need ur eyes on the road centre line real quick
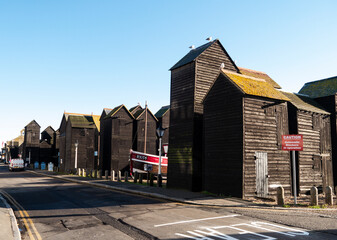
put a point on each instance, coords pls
(196, 220)
(24, 215)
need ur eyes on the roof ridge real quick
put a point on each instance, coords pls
(324, 79)
(252, 70)
(246, 76)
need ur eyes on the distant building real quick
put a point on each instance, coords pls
(144, 136)
(31, 144)
(83, 130)
(163, 116)
(116, 138)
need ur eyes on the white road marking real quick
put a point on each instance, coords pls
(210, 233)
(195, 220)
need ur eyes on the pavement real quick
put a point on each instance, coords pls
(10, 230)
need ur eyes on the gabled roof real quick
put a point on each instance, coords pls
(195, 53)
(258, 74)
(161, 112)
(305, 103)
(116, 109)
(140, 112)
(254, 86)
(33, 121)
(320, 88)
(135, 109)
(47, 129)
(105, 112)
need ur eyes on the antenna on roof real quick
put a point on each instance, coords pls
(209, 39)
(192, 47)
(222, 66)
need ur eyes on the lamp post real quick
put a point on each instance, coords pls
(76, 147)
(160, 133)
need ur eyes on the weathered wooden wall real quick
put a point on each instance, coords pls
(264, 121)
(330, 104)
(121, 140)
(223, 138)
(105, 143)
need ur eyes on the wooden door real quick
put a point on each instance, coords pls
(261, 166)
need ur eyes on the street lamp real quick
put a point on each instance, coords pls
(160, 133)
(76, 147)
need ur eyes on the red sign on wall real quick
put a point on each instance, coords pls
(292, 142)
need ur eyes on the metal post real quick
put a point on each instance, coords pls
(294, 177)
(76, 146)
(29, 156)
(159, 168)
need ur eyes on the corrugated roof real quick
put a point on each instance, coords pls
(305, 103)
(320, 88)
(254, 86)
(161, 112)
(191, 55)
(259, 74)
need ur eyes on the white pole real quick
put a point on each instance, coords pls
(294, 177)
(76, 146)
(159, 168)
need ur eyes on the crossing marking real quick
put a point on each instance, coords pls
(25, 216)
(195, 220)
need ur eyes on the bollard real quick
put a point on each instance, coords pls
(84, 172)
(106, 174)
(126, 176)
(151, 179)
(99, 173)
(328, 196)
(141, 178)
(280, 196)
(113, 175)
(119, 177)
(135, 177)
(80, 172)
(88, 173)
(93, 173)
(160, 181)
(314, 196)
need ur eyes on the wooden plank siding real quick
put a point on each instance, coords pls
(223, 138)
(330, 104)
(121, 140)
(31, 143)
(181, 127)
(264, 121)
(105, 143)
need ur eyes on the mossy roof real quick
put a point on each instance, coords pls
(320, 88)
(161, 112)
(116, 109)
(305, 103)
(258, 74)
(254, 86)
(79, 120)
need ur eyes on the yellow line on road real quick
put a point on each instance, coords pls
(25, 217)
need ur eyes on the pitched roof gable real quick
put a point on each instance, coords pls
(259, 74)
(254, 86)
(140, 112)
(135, 109)
(305, 103)
(195, 53)
(33, 122)
(161, 112)
(82, 121)
(321, 88)
(116, 109)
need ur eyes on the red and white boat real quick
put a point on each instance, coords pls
(144, 162)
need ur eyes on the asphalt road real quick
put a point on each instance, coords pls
(61, 210)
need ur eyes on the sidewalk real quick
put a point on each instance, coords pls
(175, 195)
(9, 227)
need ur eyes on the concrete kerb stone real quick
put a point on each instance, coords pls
(14, 224)
(157, 195)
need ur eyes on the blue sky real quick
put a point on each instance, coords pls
(81, 56)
